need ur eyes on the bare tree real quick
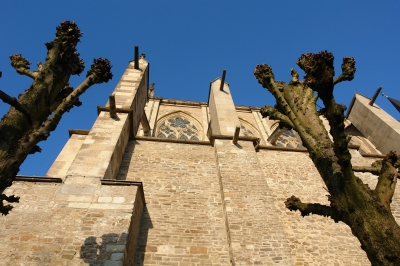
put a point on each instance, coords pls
(366, 211)
(38, 110)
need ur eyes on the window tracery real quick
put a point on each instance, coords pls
(178, 127)
(288, 139)
(247, 129)
(246, 132)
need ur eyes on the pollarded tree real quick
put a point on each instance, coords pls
(39, 109)
(366, 211)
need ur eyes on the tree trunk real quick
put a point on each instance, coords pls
(39, 109)
(365, 211)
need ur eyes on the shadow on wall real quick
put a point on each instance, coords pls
(109, 251)
(126, 160)
(145, 226)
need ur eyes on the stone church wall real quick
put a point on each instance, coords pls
(78, 222)
(205, 203)
(255, 231)
(183, 223)
(313, 240)
(211, 205)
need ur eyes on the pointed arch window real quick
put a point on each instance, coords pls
(247, 129)
(178, 126)
(282, 137)
(246, 132)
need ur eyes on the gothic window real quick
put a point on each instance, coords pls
(288, 139)
(247, 130)
(161, 135)
(178, 126)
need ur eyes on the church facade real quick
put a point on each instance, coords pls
(157, 181)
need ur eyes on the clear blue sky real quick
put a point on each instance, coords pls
(189, 43)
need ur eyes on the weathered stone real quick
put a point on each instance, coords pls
(207, 202)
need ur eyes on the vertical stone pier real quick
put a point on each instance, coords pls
(375, 124)
(79, 214)
(255, 235)
(100, 151)
(222, 110)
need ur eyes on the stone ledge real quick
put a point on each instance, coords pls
(264, 147)
(181, 102)
(113, 182)
(356, 147)
(38, 179)
(78, 132)
(373, 155)
(173, 140)
(214, 137)
(247, 109)
(297, 149)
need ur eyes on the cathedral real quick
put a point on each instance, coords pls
(158, 181)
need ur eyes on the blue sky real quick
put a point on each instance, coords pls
(189, 43)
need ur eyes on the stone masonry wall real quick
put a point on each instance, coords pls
(79, 222)
(256, 234)
(98, 155)
(183, 220)
(67, 155)
(213, 205)
(313, 240)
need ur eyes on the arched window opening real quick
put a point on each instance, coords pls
(178, 126)
(247, 129)
(246, 132)
(282, 137)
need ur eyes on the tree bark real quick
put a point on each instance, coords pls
(39, 109)
(365, 211)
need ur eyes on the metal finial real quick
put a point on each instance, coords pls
(375, 96)
(221, 88)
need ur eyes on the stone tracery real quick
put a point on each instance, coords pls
(178, 126)
(247, 129)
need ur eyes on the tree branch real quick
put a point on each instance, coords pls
(348, 70)
(6, 208)
(274, 114)
(319, 77)
(100, 72)
(293, 204)
(21, 65)
(265, 77)
(368, 169)
(387, 179)
(14, 103)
